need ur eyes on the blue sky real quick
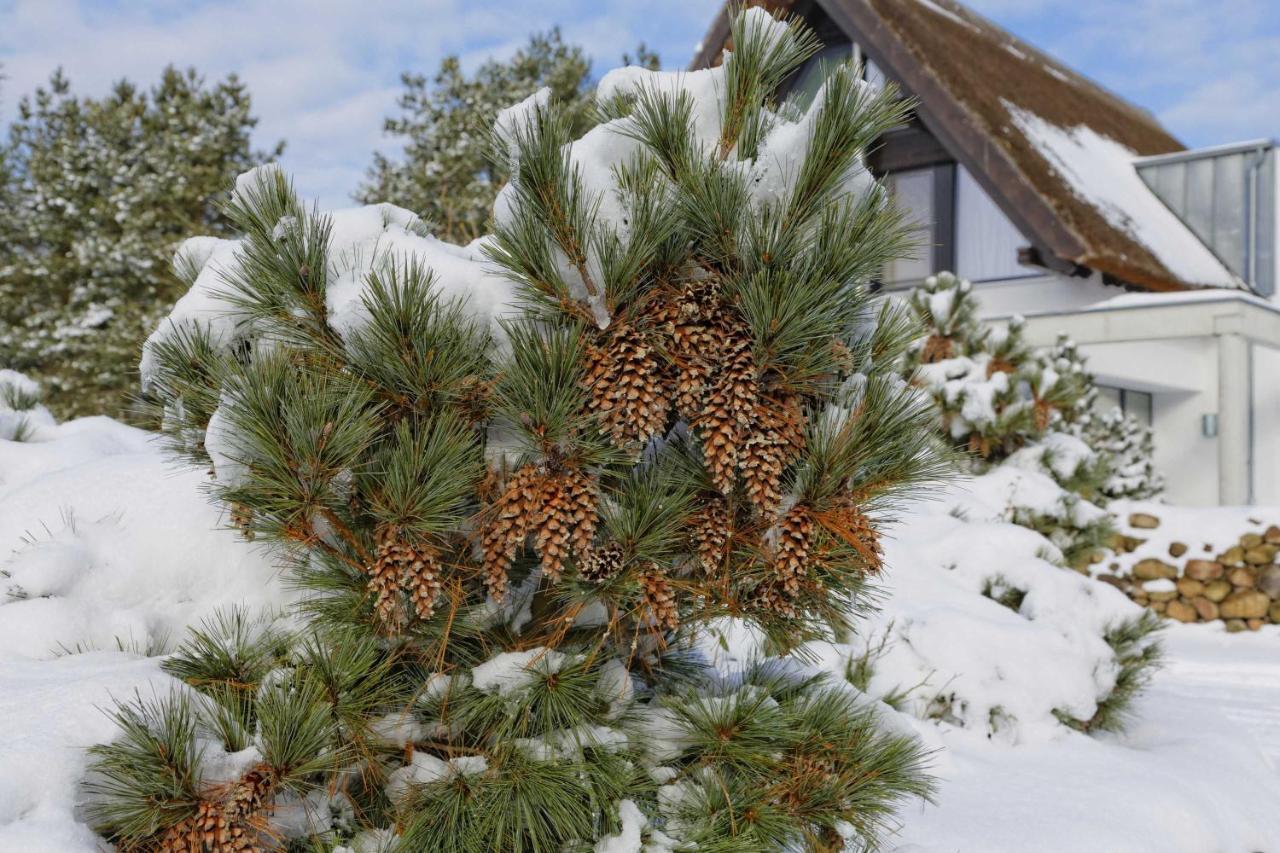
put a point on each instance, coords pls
(324, 73)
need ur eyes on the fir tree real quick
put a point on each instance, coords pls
(513, 536)
(97, 194)
(446, 173)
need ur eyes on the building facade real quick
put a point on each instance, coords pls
(1075, 209)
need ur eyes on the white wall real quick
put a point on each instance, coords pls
(1042, 293)
(1182, 377)
(1266, 425)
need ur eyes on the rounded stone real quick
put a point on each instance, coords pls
(1205, 609)
(1162, 594)
(1177, 549)
(1158, 606)
(1233, 556)
(1272, 535)
(1203, 570)
(1143, 521)
(1260, 555)
(1236, 625)
(1152, 569)
(1181, 611)
(1243, 577)
(1190, 587)
(1255, 624)
(1245, 604)
(1216, 591)
(1273, 612)
(1250, 540)
(1269, 582)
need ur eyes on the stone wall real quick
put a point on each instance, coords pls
(1238, 584)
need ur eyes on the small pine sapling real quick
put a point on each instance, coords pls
(512, 533)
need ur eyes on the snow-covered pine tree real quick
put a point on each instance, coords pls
(1003, 402)
(1129, 444)
(974, 372)
(97, 193)
(446, 173)
(515, 534)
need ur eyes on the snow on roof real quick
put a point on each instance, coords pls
(1101, 173)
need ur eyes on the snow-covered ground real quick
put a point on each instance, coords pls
(108, 550)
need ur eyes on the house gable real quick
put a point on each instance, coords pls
(982, 96)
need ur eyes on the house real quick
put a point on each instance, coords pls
(1066, 204)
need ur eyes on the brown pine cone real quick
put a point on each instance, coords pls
(660, 599)
(601, 563)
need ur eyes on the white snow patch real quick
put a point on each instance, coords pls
(1101, 172)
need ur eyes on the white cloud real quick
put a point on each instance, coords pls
(323, 73)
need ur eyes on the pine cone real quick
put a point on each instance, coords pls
(625, 377)
(384, 586)
(855, 528)
(936, 348)
(728, 410)
(601, 563)
(773, 443)
(407, 566)
(711, 527)
(660, 599)
(568, 522)
(791, 552)
(517, 512)
(230, 823)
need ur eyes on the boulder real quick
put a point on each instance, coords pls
(1216, 591)
(1273, 612)
(1143, 521)
(1250, 540)
(1190, 587)
(1255, 624)
(1203, 570)
(1236, 625)
(1162, 595)
(1233, 556)
(1244, 577)
(1245, 604)
(1260, 555)
(1158, 606)
(1272, 535)
(1269, 582)
(1205, 609)
(1177, 549)
(1152, 569)
(1181, 610)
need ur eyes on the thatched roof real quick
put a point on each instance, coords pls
(1051, 147)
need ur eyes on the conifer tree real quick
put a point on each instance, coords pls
(446, 173)
(513, 535)
(1004, 402)
(97, 193)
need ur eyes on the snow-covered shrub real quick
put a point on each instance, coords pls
(1129, 446)
(21, 412)
(518, 479)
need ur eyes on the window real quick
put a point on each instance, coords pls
(913, 191)
(926, 197)
(814, 73)
(1227, 197)
(987, 243)
(1136, 403)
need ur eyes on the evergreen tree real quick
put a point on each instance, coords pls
(513, 536)
(1006, 403)
(97, 194)
(446, 173)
